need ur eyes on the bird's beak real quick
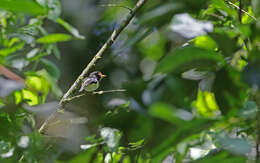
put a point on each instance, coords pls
(103, 76)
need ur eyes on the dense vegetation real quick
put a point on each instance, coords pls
(184, 75)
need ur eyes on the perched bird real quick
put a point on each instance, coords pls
(91, 82)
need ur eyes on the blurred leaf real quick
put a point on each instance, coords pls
(38, 83)
(249, 110)
(51, 68)
(70, 28)
(237, 146)
(30, 97)
(194, 75)
(207, 83)
(225, 44)
(256, 7)
(53, 38)
(181, 24)
(32, 53)
(205, 42)
(136, 145)
(85, 157)
(206, 104)
(251, 72)
(54, 86)
(221, 5)
(152, 46)
(165, 112)
(53, 7)
(229, 91)
(24, 6)
(181, 92)
(182, 131)
(56, 52)
(111, 137)
(10, 50)
(162, 14)
(190, 57)
(221, 156)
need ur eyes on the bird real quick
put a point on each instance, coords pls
(91, 83)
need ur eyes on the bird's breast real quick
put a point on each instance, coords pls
(91, 87)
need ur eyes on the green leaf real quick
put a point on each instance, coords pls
(152, 46)
(53, 38)
(85, 156)
(10, 50)
(51, 68)
(205, 42)
(166, 112)
(24, 6)
(237, 146)
(189, 57)
(229, 90)
(225, 44)
(70, 28)
(221, 156)
(54, 86)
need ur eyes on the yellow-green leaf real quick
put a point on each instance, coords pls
(53, 38)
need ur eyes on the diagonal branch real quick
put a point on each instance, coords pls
(101, 52)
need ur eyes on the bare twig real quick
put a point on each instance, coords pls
(10, 75)
(100, 53)
(93, 93)
(237, 7)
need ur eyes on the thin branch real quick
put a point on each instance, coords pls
(101, 52)
(10, 75)
(237, 7)
(115, 5)
(93, 93)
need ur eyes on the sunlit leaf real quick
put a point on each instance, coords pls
(205, 42)
(53, 38)
(10, 50)
(30, 97)
(206, 104)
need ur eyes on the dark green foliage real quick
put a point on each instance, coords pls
(192, 93)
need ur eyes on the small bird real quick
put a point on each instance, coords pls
(91, 82)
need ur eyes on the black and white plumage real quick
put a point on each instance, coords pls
(91, 82)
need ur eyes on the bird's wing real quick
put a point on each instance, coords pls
(86, 82)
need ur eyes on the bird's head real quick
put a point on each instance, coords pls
(97, 74)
